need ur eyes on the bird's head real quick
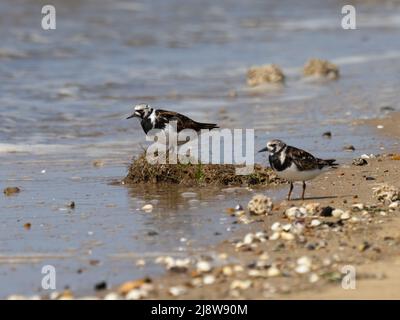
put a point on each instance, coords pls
(274, 146)
(141, 111)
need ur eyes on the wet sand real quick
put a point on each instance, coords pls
(308, 265)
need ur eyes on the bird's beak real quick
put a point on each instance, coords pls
(133, 115)
(263, 150)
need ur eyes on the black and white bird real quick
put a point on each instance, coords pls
(293, 164)
(151, 118)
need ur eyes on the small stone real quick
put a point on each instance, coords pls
(147, 208)
(349, 147)
(102, 285)
(27, 226)
(9, 191)
(327, 134)
(326, 212)
(71, 205)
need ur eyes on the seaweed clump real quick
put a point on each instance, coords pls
(269, 73)
(141, 171)
(321, 68)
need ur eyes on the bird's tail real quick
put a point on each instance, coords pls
(329, 163)
(208, 126)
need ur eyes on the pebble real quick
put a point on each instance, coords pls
(147, 208)
(326, 211)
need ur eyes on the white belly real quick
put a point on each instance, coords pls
(292, 174)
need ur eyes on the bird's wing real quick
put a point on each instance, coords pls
(183, 122)
(302, 159)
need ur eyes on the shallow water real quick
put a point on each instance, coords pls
(65, 93)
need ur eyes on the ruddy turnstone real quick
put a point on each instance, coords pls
(293, 164)
(159, 119)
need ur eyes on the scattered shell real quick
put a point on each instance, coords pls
(9, 191)
(208, 279)
(315, 223)
(241, 284)
(273, 272)
(337, 213)
(260, 205)
(394, 205)
(137, 294)
(303, 265)
(357, 207)
(359, 162)
(177, 291)
(286, 236)
(264, 74)
(345, 215)
(275, 236)
(321, 68)
(312, 208)
(147, 208)
(301, 269)
(313, 278)
(296, 212)
(203, 266)
(386, 193)
(112, 296)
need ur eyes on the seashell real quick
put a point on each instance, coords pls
(275, 236)
(208, 279)
(315, 223)
(301, 269)
(147, 207)
(241, 284)
(287, 227)
(276, 226)
(296, 212)
(203, 266)
(312, 208)
(273, 272)
(394, 205)
(313, 278)
(345, 215)
(112, 296)
(286, 236)
(357, 207)
(177, 291)
(337, 213)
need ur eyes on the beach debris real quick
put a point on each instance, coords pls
(98, 163)
(327, 134)
(208, 279)
(250, 240)
(386, 193)
(304, 264)
(172, 264)
(349, 147)
(357, 207)
(132, 285)
(241, 284)
(71, 205)
(9, 191)
(112, 296)
(395, 157)
(359, 162)
(102, 285)
(326, 211)
(269, 73)
(147, 208)
(345, 215)
(203, 266)
(27, 226)
(260, 205)
(321, 68)
(296, 212)
(177, 291)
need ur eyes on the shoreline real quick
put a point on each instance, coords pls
(252, 264)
